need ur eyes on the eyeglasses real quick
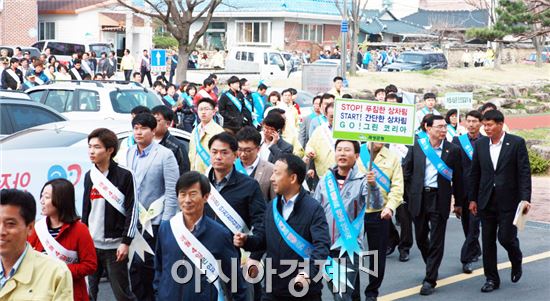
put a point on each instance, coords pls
(205, 109)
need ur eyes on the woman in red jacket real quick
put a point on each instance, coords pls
(61, 234)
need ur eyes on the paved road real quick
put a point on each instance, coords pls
(402, 279)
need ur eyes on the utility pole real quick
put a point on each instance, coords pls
(344, 33)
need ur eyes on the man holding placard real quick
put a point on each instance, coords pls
(471, 249)
(190, 236)
(432, 172)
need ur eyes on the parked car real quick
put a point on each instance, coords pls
(14, 94)
(17, 114)
(532, 59)
(414, 60)
(93, 100)
(64, 50)
(269, 63)
(33, 51)
(59, 150)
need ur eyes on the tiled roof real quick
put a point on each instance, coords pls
(456, 19)
(121, 19)
(323, 7)
(65, 5)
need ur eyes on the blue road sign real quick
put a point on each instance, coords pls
(158, 59)
(344, 27)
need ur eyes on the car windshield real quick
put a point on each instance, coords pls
(125, 100)
(410, 58)
(41, 138)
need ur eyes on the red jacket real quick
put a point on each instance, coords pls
(76, 237)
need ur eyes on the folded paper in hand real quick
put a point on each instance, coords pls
(521, 218)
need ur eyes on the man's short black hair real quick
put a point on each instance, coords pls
(107, 137)
(207, 82)
(166, 113)
(494, 115)
(189, 178)
(347, 95)
(337, 78)
(429, 95)
(315, 98)
(77, 61)
(158, 83)
(276, 111)
(391, 88)
(249, 133)
(208, 100)
(262, 87)
(22, 199)
(392, 96)
(275, 121)
(18, 48)
(295, 165)
(213, 75)
(475, 114)
(330, 105)
(286, 91)
(379, 91)
(356, 145)
(430, 118)
(140, 109)
(326, 96)
(487, 105)
(227, 138)
(145, 120)
(293, 91)
(243, 81)
(233, 79)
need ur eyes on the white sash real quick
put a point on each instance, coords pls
(147, 215)
(52, 247)
(14, 76)
(76, 74)
(196, 251)
(230, 218)
(38, 79)
(327, 132)
(107, 190)
(399, 149)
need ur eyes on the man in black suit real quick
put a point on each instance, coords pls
(500, 179)
(273, 145)
(430, 181)
(471, 249)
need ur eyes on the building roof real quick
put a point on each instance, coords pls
(69, 6)
(120, 19)
(323, 7)
(383, 21)
(446, 5)
(454, 19)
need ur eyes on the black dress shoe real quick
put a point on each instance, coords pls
(516, 272)
(390, 250)
(403, 256)
(489, 286)
(371, 298)
(467, 268)
(427, 289)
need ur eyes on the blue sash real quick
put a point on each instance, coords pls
(304, 248)
(436, 161)
(259, 105)
(451, 130)
(466, 145)
(347, 232)
(170, 100)
(188, 99)
(248, 106)
(235, 101)
(239, 166)
(422, 134)
(381, 178)
(175, 61)
(205, 156)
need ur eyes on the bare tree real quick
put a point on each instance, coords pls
(355, 15)
(441, 27)
(178, 16)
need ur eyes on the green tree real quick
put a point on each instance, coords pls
(178, 16)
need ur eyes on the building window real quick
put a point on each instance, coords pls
(253, 32)
(46, 30)
(311, 32)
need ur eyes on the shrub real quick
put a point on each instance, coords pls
(539, 165)
(165, 42)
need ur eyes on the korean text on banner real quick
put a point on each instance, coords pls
(383, 122)
(459, 100)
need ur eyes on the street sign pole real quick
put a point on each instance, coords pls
(344, 31)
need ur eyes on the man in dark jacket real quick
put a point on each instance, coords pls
(232, 107)
(242, 192)
(297, 211)
(432, 171)
(165, 117)
(273, 145)
(112, 224)
(12, 77)
(193, 191)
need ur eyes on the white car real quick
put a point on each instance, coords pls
(94, 100)
(36, 155)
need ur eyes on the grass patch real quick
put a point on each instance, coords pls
(427, 72)
(535, 134)
(519, 106)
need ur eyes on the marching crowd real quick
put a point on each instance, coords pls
(264, 192)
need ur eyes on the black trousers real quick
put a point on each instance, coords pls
(403, 216)
(145, 73)
(270, 297)
(471, 247)
(376, 230)
(430, 228)
(495, 224)
(142, 273)
(117, 272)
(127, 74)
